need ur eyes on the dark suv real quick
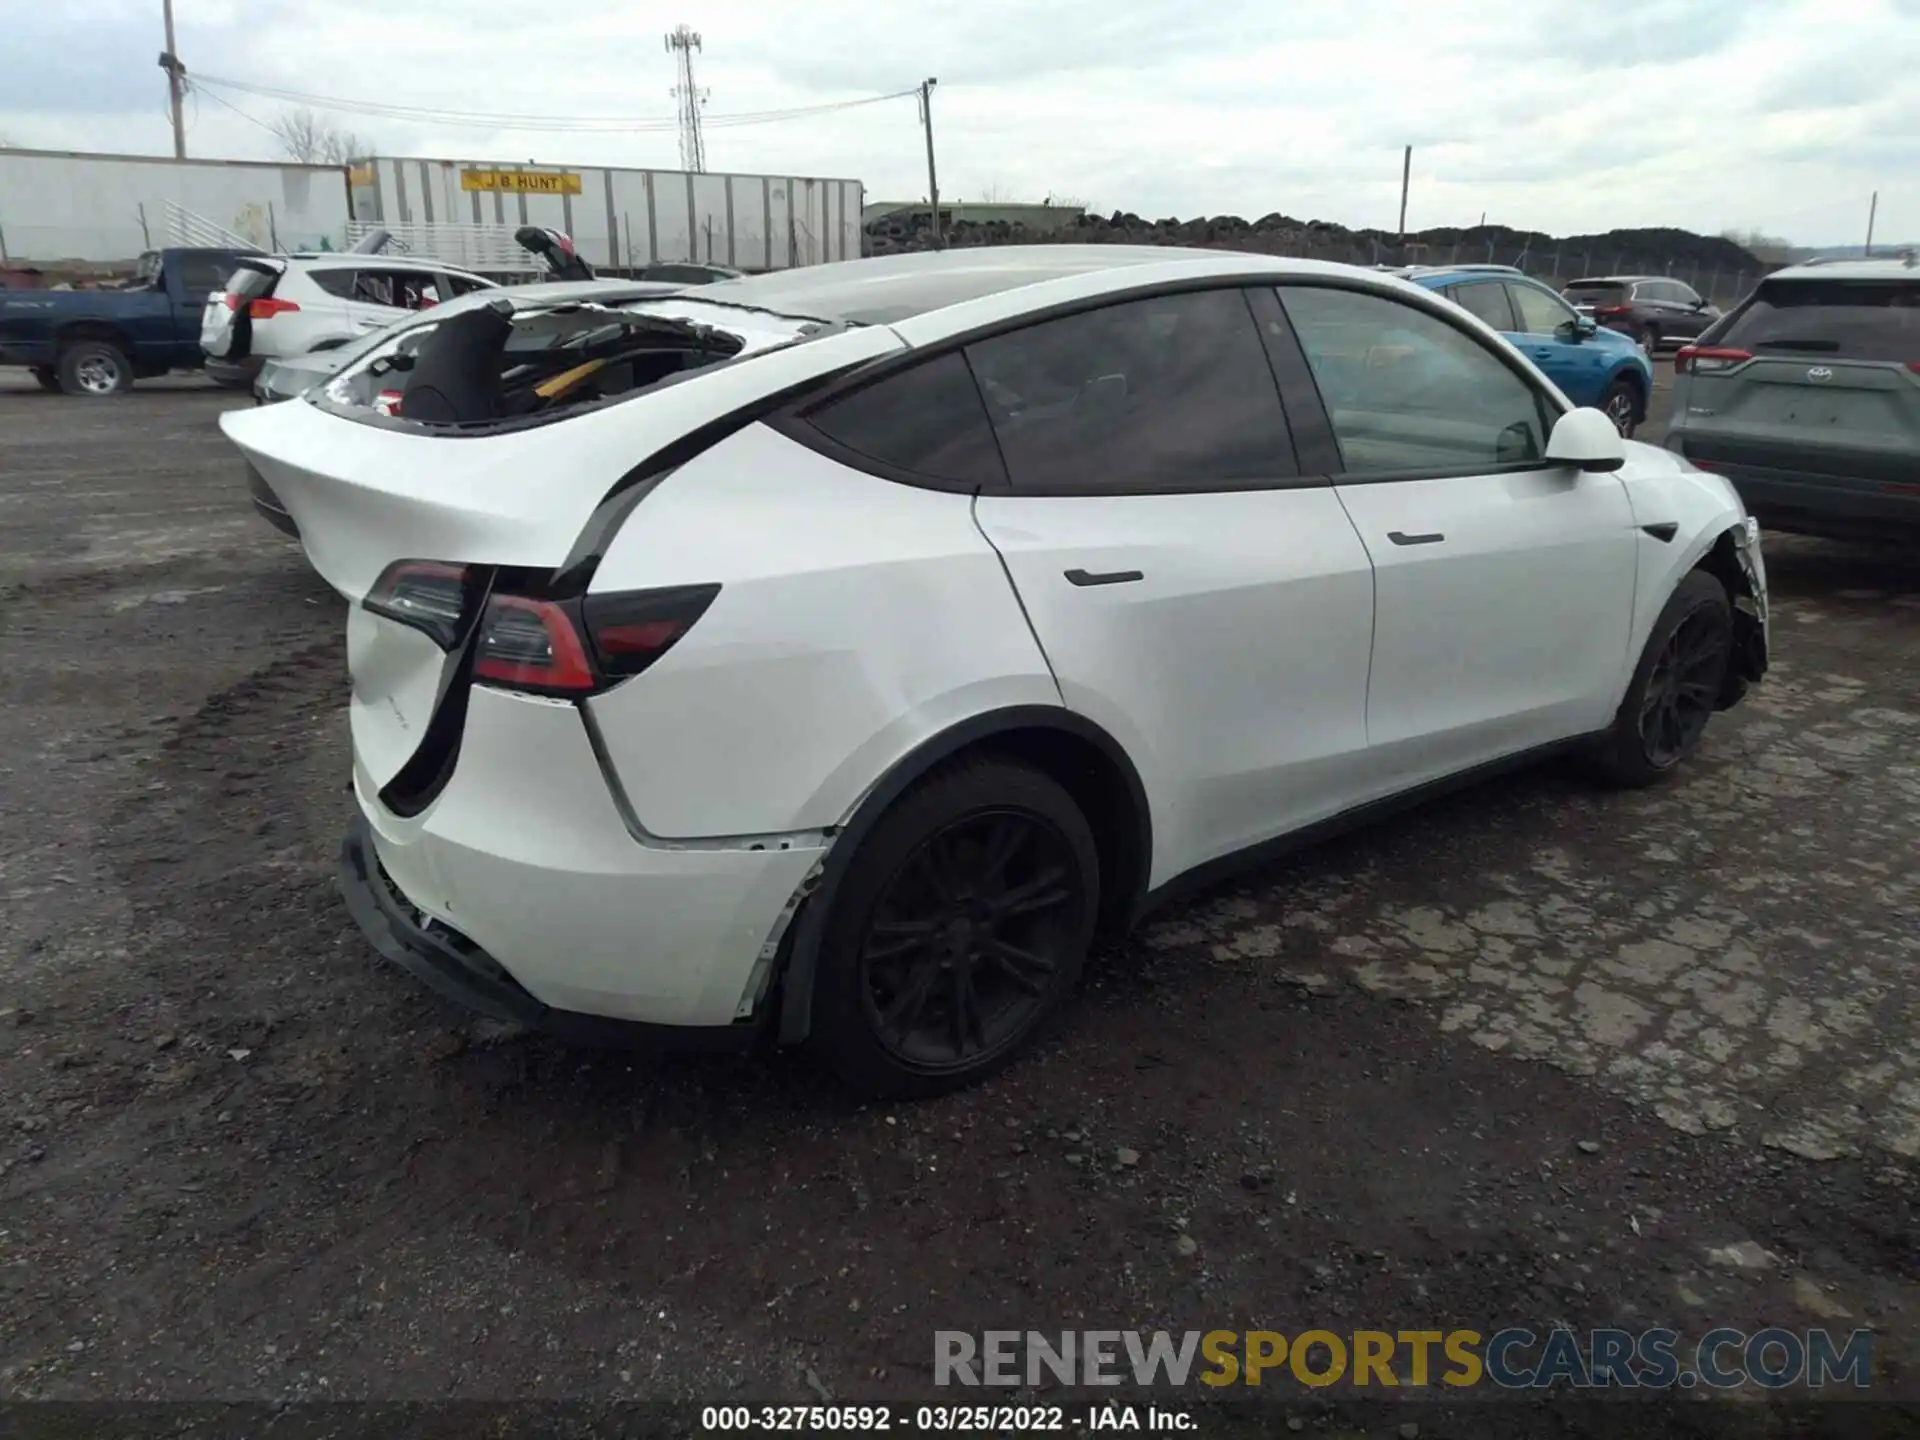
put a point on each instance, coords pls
(1807, 397)
(1652, 309)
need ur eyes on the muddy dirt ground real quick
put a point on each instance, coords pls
(1537, 1054)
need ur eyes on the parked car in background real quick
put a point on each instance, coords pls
(1807, 398)
(831, 655)
(1655, 311)
(97, 342)
(276, 306)
(1592, 365)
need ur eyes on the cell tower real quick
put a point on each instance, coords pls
(682, 42)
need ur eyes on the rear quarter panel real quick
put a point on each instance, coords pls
(857, 618)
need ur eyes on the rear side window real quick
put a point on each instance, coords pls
(927, 420)
(1409, 394)
(201, 273)
(1486, 299)
(1850, 319)
(1168, 393)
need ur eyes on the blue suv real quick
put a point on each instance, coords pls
(1591, 365)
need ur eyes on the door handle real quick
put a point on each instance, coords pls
(1107, 577)
(1400, 537)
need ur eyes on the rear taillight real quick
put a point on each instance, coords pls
(1600, 311)
(577, 647)
(1706, 359)
(267, 307)
(1914, 365)
(429, 595)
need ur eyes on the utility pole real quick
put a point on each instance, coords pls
(933, 182)
(1406, 174)
(682, 42)
(176, 84)
(1873, 212)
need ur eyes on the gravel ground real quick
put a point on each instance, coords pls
(1534, 1054)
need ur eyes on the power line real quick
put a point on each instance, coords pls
(558, 123)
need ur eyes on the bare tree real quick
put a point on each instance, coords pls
(311, 140)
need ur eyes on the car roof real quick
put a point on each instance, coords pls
(1890, 268)
(338, 259)
(1618, 280)
(892, 288)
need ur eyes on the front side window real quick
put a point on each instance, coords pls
(1486, 299)
(927, 420)
(1169, 392)
(1407, 393)
(202, 273)
(1541, 311)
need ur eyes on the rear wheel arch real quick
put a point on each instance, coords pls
(99, 330)
(1077, 754)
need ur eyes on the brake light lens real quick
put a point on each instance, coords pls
(1603, 310)
(1706, 359)
(578, 647)
(429, 595)
(1914, 365)
(268, 306)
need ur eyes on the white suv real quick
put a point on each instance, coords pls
(279, 306)
(834, 654)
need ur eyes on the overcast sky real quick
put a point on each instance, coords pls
(1777, 115)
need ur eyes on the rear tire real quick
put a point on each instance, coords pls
(959, 928)
(94, 369)
(47, 378)
(1621, 401)
(1675, 688)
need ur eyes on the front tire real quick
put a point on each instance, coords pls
(94, 369)
(1676, 686)
(958, 930)
(1650, 341)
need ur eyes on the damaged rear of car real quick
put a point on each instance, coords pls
(459, 484)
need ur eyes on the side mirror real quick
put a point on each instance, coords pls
(1585, 439)
(1581, 327)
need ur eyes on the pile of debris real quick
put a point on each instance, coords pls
(1666, 251)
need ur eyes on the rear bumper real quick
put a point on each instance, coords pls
(1817, 504)
(233, 372)
(524, 857)
(453, 967)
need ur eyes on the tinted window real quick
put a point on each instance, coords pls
(338, 283)
(1407, 392)
(200, 273)
(928, 420)
(461, 285)
(1485, 298)
(1541, 313)
(1595, 292)
(1169, 392)
(1853, 319)
(1685, 294)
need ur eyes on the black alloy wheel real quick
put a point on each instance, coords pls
(1684, 687)
(968, 941)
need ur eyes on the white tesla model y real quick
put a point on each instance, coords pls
(835, 655)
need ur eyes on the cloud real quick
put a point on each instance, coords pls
(1780, 115)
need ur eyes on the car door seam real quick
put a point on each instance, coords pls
(1053, 673)
(1373, 610)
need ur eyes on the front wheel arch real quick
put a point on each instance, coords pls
(1082, 757)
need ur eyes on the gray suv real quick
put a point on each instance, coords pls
(1807, 397)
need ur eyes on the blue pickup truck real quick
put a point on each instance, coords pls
(98, 342)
